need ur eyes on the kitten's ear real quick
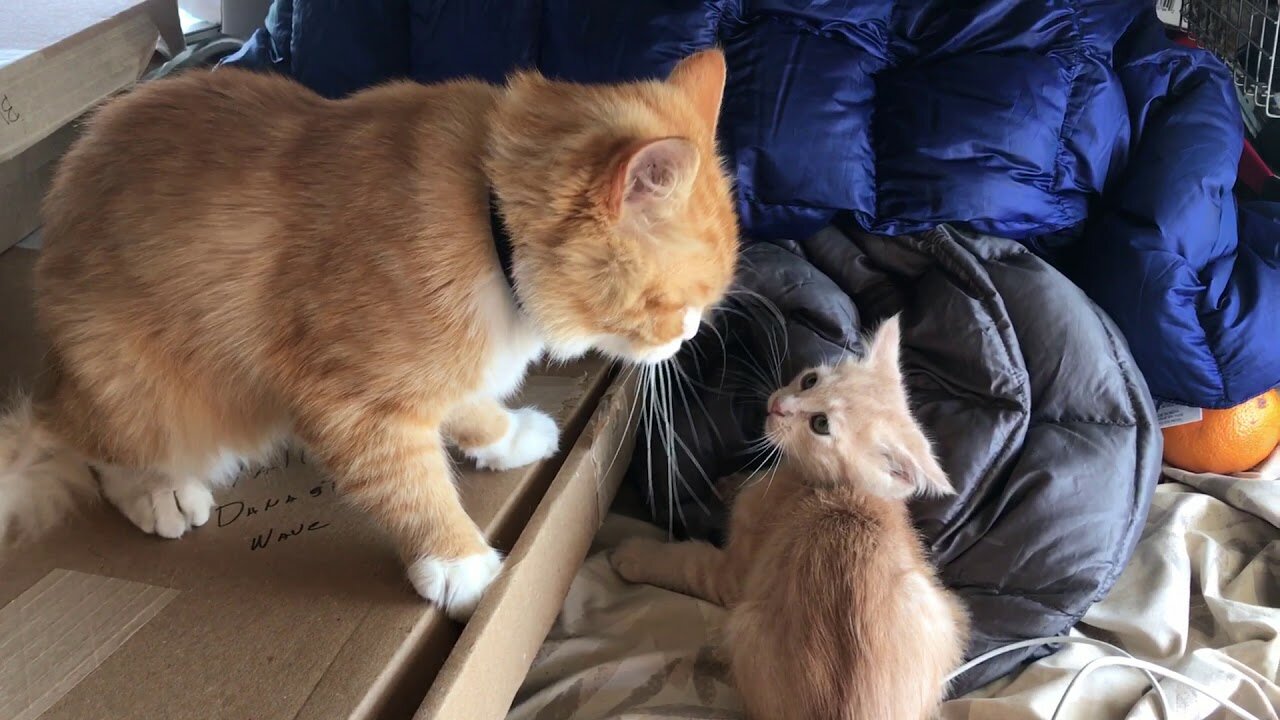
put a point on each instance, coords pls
(885, 352)
(912, 463)
(701, 77)
(650, 177)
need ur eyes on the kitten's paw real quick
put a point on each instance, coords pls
(455, 585)
(634, 557)
(168, 511)
(729, 487)
(532, 436)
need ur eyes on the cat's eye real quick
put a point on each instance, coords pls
(808, 381)
(819, 424)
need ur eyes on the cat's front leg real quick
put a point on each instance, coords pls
(693, 568)
(500, 439)
(397, 470)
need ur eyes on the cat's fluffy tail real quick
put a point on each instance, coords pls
(41, 479)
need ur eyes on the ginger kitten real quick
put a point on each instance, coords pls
(835, 612)
(231, 260)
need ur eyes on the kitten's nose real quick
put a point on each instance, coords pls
(775, 408)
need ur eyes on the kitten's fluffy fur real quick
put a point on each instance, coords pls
(231, 260)
(835, 612)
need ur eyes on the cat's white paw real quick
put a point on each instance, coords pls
(168, 510)
(531, 436)
(457, 584)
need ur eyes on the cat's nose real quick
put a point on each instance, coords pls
(775, 408)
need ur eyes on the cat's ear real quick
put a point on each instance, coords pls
(885, 351)
(701, 76)
(651, 176)
(911, 462)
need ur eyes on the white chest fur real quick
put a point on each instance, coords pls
(513, 341)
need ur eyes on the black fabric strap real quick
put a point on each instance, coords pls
(502, 243)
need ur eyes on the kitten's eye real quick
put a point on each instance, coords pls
(808, 381)
(818, 423)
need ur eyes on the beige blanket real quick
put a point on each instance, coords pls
(1200, 597)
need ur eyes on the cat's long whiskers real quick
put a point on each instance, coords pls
(673, 442)
(758, 446)
(769, 483)
(647, 376)
(694, 383)
(747, 379)
(769, 306)
(766, 465)
(669, 369)
(764, 301)
(776, 376)
(764, 460)
(697, 466)
(667, 432)
(758, 373)
(681, 375)
(779, 350)
(724, 348)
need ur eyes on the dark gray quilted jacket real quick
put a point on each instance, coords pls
(1028, 391)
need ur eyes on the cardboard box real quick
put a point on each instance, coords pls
(289, 604)
(58, 58)
(23, 182)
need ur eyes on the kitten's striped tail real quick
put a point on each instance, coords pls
(41, 479)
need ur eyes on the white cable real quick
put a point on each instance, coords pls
(1163, 701)
(1149, 669)
(1158, 670)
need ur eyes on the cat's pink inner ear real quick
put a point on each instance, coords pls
(652, 176)
(702, 77)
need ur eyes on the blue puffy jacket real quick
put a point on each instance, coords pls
(1074, 126)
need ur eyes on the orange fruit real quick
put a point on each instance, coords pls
(1226, 441)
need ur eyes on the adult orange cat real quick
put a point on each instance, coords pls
(231, 260)
(835, 613)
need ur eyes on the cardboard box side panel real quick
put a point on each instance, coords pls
(22, 350)
(25, 179)
(400, 688)
(485, 669)
(47, 89)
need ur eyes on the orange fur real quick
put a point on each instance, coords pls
(835, 611)
(231, 259)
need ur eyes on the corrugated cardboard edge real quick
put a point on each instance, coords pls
(411, 672)
(489, 662)
(61, 629)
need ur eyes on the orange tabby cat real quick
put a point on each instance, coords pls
(835, 613)
(231, 260)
